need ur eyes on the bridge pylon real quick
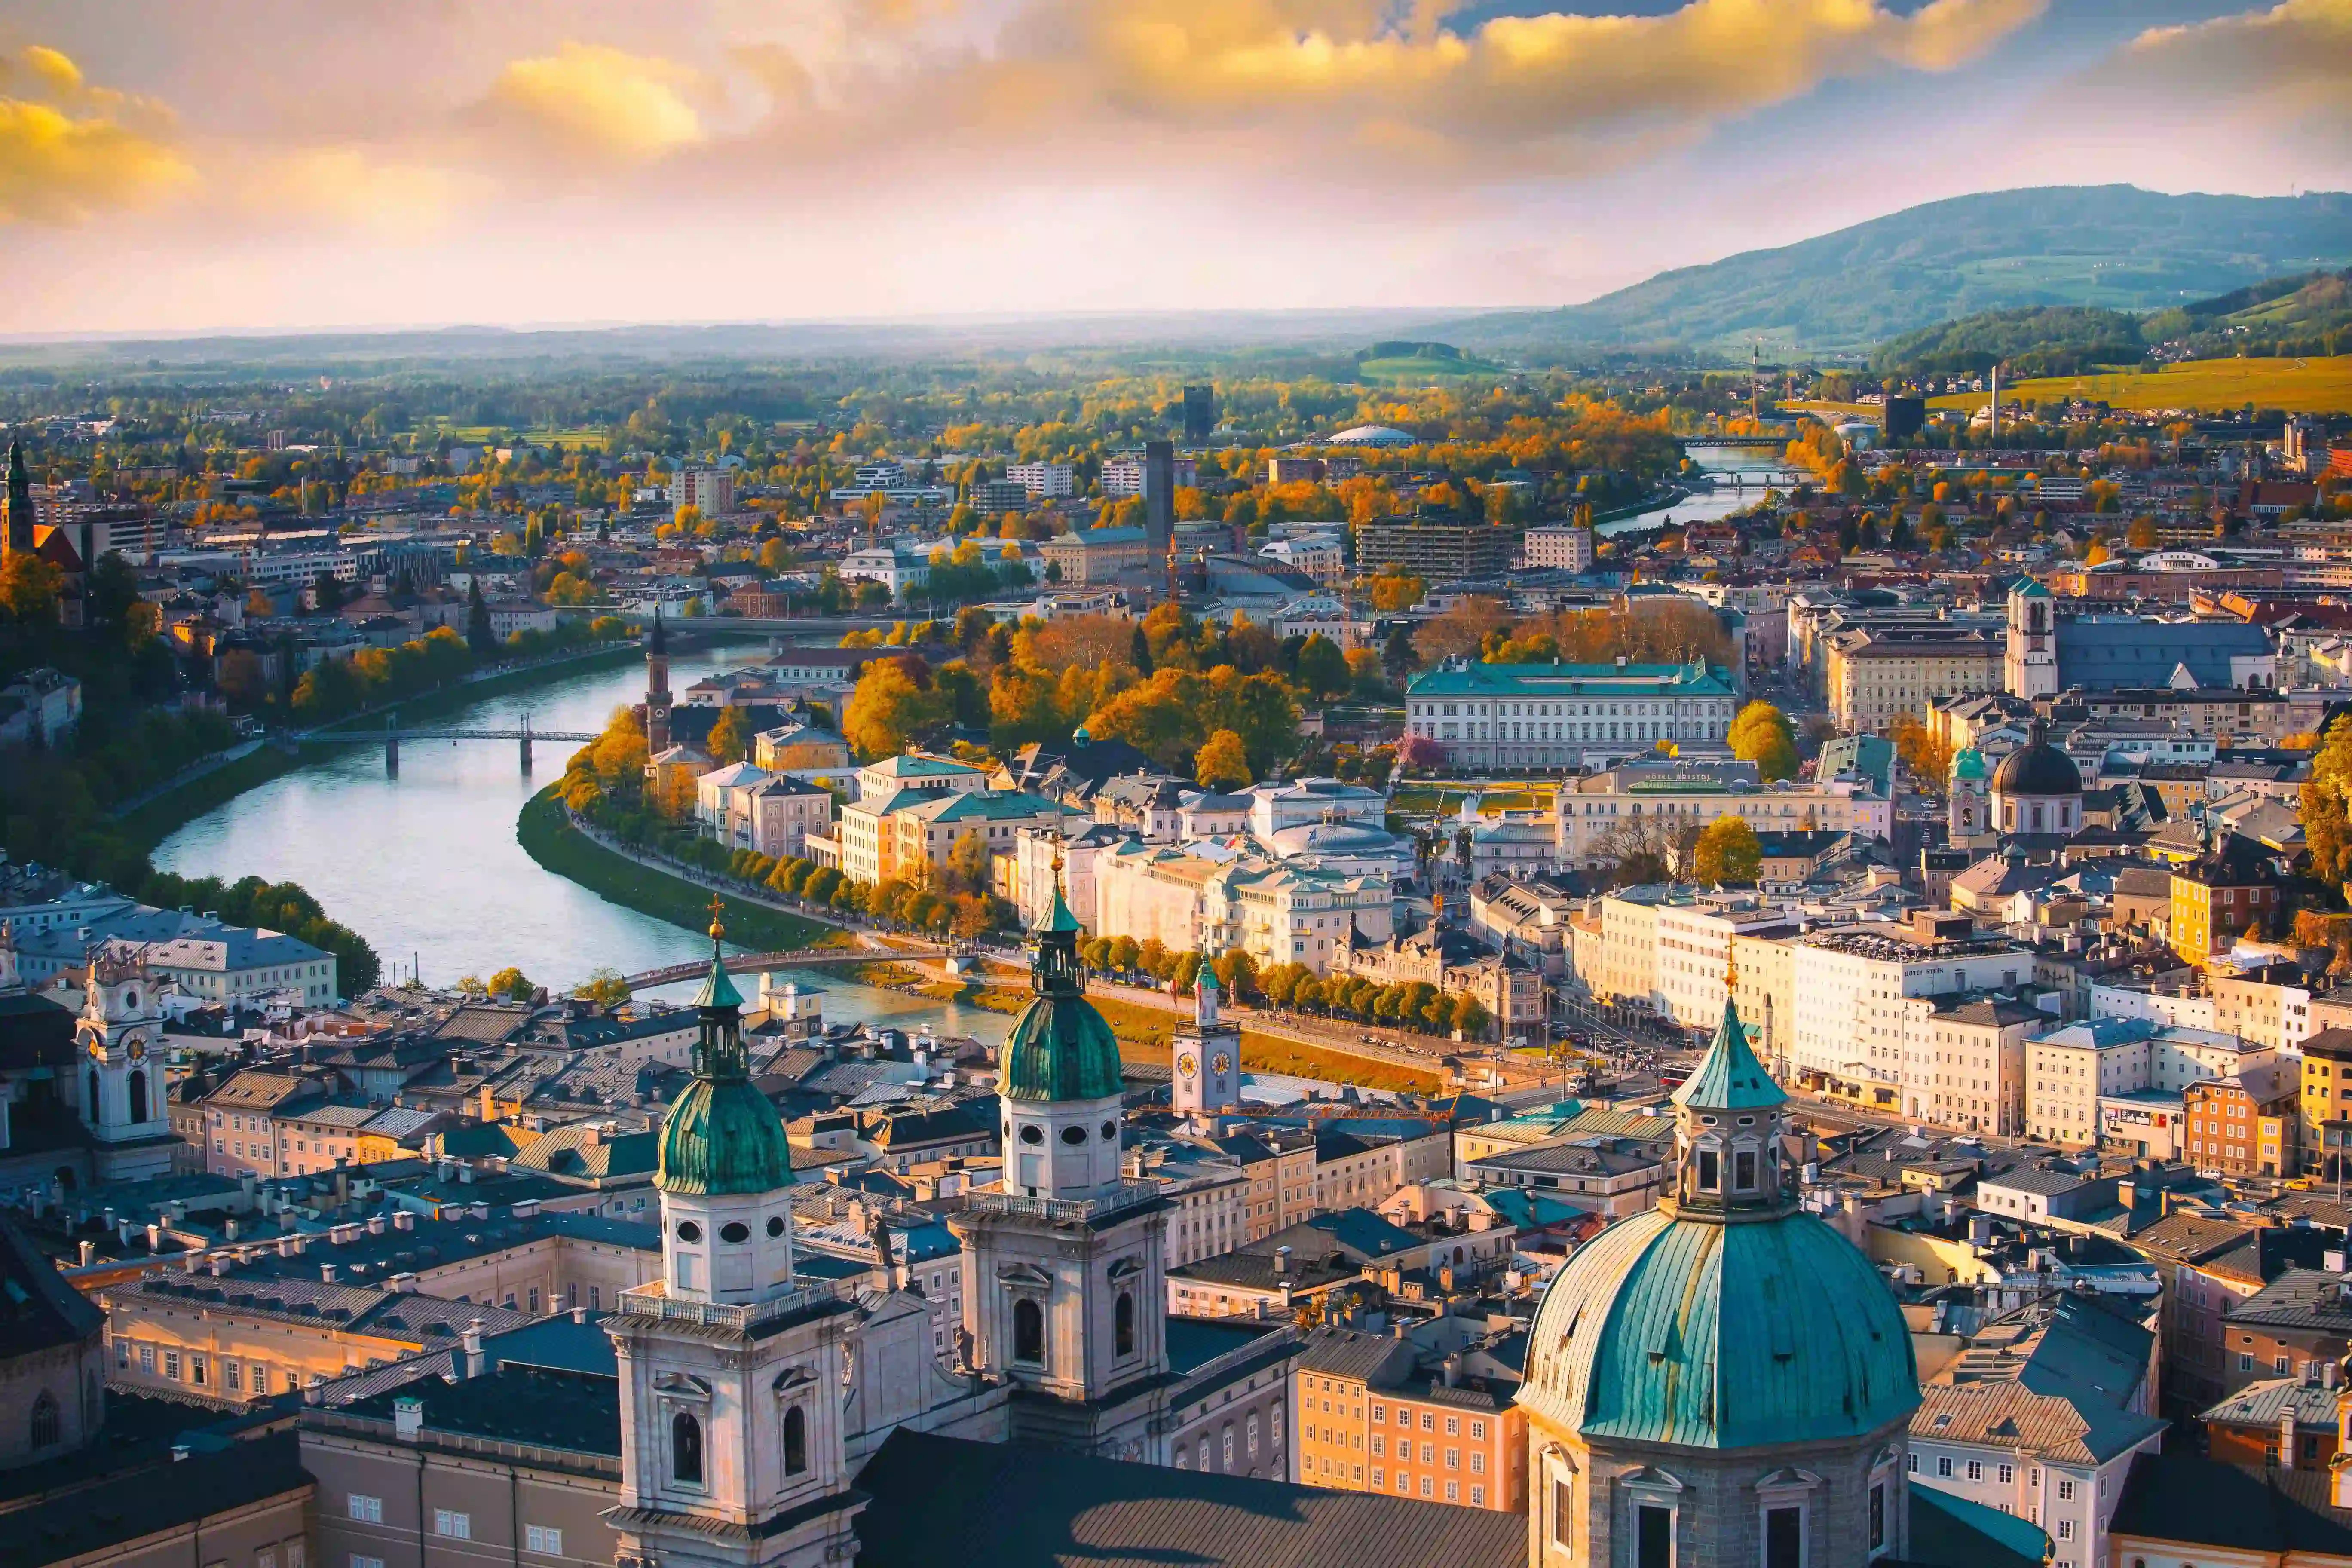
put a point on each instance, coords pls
(526, 742)
(392, 744)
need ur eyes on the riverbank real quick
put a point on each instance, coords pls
(545, 832)
(167, 811)
(502, 683)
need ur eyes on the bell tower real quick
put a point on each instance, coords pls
(657, 688)
(731, 1366)
(1066, 1289)
(123, 1100)
(1208, 1078)
(2030, 666)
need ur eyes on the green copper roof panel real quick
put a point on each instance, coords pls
(717, 990)
(1729, 1078)
(1721, 1336)
(1060, 1048)
(722, 1136)
(1058, 916)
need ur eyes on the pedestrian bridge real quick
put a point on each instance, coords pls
(760, 963)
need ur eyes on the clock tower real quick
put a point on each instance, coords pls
(123, 1100)
(1207, 1056)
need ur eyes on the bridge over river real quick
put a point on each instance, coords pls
(761, 963)
(393, 734)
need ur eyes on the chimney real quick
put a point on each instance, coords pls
(404, 1220)
(526, 1208)
(402, 1283)
(89, 1253)
(1980, 1231)
(1451, 1371)
(1282, 1261)
(375, 1225)
(2286, 1436)
(155, 1238)
(407, 1419)
(579, 1314)
(476, 1361)
(327, 1272)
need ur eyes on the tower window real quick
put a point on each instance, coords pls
(1028, 1331)
(1032, 1134)
(795, 1441)
(1123, 1324)
(1743, 1170)
(1110, 1131)
(1710, 1170)
(688, 1231)
(735, 1232)
(1074, 1136)
(93, 1094)
(775, 1225)
(685, 1449)
(139, 1095)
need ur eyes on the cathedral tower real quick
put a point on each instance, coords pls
(731, 1368)
(122, 1099)
(1064, 1274)
(2030, 665)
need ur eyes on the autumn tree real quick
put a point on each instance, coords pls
(1393, 592)
(730, 737)
(1222, 763)
(2326, 798)
(30, 590)
(1928, 758)
(968, 859)
(887, 708)
(1727, 851)
(1762, 734)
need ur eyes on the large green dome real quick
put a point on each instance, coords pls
(1715, 1335)
(723, 1136)
(1060, 1048)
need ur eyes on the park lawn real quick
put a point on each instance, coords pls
(547, 838)
(1145, 1037)
(2315, 385)
(1418, 368)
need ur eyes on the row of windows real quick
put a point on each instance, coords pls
(452, 1524)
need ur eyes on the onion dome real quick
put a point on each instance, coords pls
(1727, 1317)
(1060, 1048)
(722, 1136)
(1968, 763)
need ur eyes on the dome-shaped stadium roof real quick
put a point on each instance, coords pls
(1373, 435)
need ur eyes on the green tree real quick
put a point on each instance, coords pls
(1727, 851)
(1222, 764)
(1323, 668)
(1470, 1016)
(510, 983)
(478, 634)
(1762, 734)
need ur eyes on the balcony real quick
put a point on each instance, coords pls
(1065, 1211)
(655, 1301)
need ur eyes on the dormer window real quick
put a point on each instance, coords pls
(1710, 1171)
(1743, 1170)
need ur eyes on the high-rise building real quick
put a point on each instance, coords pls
(1905, 416)
(709, 490)
(1200, 413)
(1158, 495)
(20, 502)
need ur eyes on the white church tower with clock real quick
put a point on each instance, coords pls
(123, 1103)
(1208, 1080)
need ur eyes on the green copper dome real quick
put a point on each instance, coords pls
(722, 1136)
(1969, 764)
(1060, 1048)
(1729, 1078)
(1715, 1335)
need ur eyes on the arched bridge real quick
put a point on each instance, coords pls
(758, 963)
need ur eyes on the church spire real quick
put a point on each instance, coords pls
(718, 1054)
(1728, 1126)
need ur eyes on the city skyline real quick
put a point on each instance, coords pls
(277, 168)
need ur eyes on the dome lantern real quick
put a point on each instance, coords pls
(1061, 1081)
(722, 1135)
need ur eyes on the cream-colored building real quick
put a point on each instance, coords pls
(1286, 913)
(1695, 948)
(1629, 945)
(1876, 676)
(2070, 1069)
(1848, 986)
(1965, 1060)
(1653, 805)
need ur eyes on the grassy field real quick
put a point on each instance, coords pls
(1144, 1033)
(549, 838)
(465, 435)
(1419, 369)
(2295, 386)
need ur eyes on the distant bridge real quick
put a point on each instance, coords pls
(392, 735)
(760, 963)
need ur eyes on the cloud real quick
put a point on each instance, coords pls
(1265, 84)
(2291, 64)
(70, 152)
(597, 105)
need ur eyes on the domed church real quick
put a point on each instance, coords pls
(1725, 1379)
(2037, 788)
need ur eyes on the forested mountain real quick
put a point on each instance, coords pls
(2114, 248)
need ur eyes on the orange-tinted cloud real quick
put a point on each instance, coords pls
(595, 105)
(2291, 64)
(70, 152)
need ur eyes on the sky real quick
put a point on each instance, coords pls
(295, 164)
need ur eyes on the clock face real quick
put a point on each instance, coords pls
(137, 1051)
(1187, 1065)
(1224, 1064)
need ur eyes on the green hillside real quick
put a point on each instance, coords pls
(1419, 363)
(2052, 340)
(2116, 247)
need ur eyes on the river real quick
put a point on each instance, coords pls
(425, 865)
(1757, 465)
